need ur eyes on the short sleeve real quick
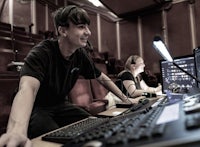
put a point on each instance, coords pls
(126, 76)
(35, 64)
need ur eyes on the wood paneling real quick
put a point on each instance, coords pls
(19, 11)
(197, 19)
(93, 28)
(108, 36)
(179, 35)
(128, 39)
(151, 26)
(40, 16)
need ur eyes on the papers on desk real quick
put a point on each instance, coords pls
(112, 112)
(169, 113)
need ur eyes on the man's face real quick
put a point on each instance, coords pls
(78, 34)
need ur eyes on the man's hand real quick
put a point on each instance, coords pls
(14, 140)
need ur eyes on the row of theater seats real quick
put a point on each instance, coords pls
(15, 42)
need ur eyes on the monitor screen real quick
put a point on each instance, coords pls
(197, 63)
(174, 79)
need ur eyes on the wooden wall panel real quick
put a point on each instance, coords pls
(128, 39)
(93, 28)
(22, 13)
(40, 16)
(108, 36)
(197, 20)
(179, 35)
(50, 20)
(151, 26)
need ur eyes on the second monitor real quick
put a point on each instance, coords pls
(174, 79)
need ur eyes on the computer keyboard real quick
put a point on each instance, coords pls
(111, 131)
(72, 131)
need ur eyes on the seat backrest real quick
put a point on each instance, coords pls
(81, 93)
(6, 57)
(99, 92)
(6, 43)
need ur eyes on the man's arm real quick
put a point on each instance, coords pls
(110, 85)
(20, 113)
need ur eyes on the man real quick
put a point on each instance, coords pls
(50, 71)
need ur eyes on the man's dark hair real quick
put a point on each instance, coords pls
(72, 13)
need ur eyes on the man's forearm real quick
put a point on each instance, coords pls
(110, 85)
(20, 112)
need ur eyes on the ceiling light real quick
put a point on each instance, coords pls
(96, 3)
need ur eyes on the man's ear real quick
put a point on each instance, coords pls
(62, 31)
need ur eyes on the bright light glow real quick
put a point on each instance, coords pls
(162, 49)
(97, 3)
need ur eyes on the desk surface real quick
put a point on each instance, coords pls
(37, 142)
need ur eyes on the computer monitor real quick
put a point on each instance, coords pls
(175, 80)
(197, 63)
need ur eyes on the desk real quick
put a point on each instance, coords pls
(38, 142)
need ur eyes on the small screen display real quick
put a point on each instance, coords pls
(176, 80)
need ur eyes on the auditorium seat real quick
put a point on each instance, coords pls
(19, 30)
(21, 37)
(98, 90)
(6, 43)
(6, 39)
(23, 47)
(36, 38)
(90, 94)
(6, 57)
(5, 26)
(22, 41)
(119, 66)
(6, 34)
(82, 95)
